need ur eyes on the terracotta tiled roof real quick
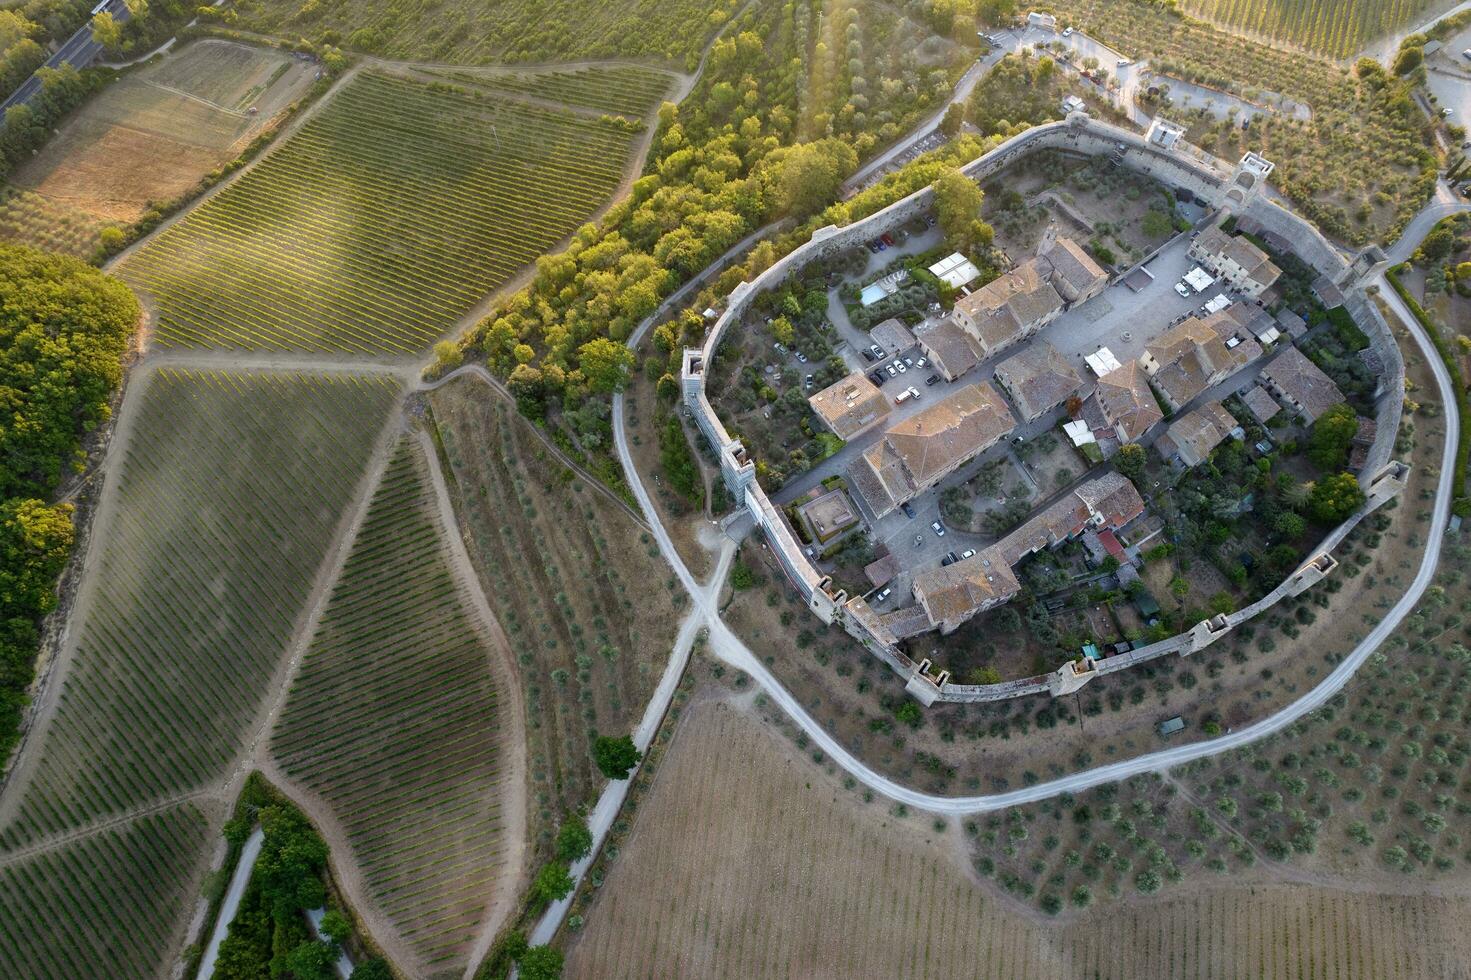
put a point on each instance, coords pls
(1302, 382)
(1194, 434)
(850, 405)
(1038, 379)
(1125, 399)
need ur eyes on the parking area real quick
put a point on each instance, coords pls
(1448, 77)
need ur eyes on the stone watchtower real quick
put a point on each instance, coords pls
(1247, 182)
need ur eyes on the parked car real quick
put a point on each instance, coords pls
(907, 508)
(1067, 32)
(808, 381)
(1124, 62)
(876, 378)
(908, 362)
(938, 528)
(900, 366)
(967, 553)
(887, 239)
(921, 362)
(932, 379)
(1182, 289)
(778, 348)
(904, 396)
(878, 352)
(802, 357)
(949, 559)
(891, 369)
(883, 595)
(872, 247)
(867, 354)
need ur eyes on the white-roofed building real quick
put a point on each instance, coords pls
(1102, 362)
(955, 270)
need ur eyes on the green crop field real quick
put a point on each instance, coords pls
(625, 89)
(227, 496)
(395, 721)
(105, 905)
(1337, 28)
(479, 32)
(380, 223)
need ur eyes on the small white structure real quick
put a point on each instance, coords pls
(1102, 362)
(1079, 432)
(1218, 303)
(1073, 104)
(1269, 336)
(1198, 279)
(1045, 22)
(955, 270)
(1164, 134)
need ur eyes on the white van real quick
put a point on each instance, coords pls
(905, 395)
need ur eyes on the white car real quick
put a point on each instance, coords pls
(900, 366)
(882, 595)
(1182, 289)
(890, 369)
(1067, 32)
(967, 553)
(938, 528)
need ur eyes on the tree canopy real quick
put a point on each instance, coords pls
(958, 208)
(1334, 498)
(1332, 435)
(574, 840)
(541, 963)
(615, 756)
(63, 329)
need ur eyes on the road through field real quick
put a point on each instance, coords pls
(231, 904)
(729, 647)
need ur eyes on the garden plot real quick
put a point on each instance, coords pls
(110, 904)
(217, 513)
(152, 135)
(1336, 28)
(398, 721)
(479, 32)
(590, 608)
(380, 223)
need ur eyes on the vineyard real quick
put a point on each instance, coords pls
(1337, 28)
(224, 501)
(746, 860)
(1359, 169)
(396, 721)
(380, 223)
(478, 32)
(625, 89)
(580, 589)
(108, 904)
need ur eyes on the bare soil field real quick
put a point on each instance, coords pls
(154, 133)
(988, 748)
(587, 603)
(748, 860)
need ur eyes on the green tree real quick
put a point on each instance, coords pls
(1408, 59)
(1332, 435)
(783, 331)
(313, 961)
(541, 963)
(447, 355)
(605, 364)
(336, 926)
(552, 883)
(909, 713)
(291, 861)
(574, 839)
(374, 969)
(615, 756)
(954, 118)
(808, 176)
(1130, 461)
(106, 31)
(1334, 498)
(958, 207)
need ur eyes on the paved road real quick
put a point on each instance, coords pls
(228, 907)
(1441, 206)
(79, 51)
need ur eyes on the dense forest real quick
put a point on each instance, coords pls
(64, 327)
